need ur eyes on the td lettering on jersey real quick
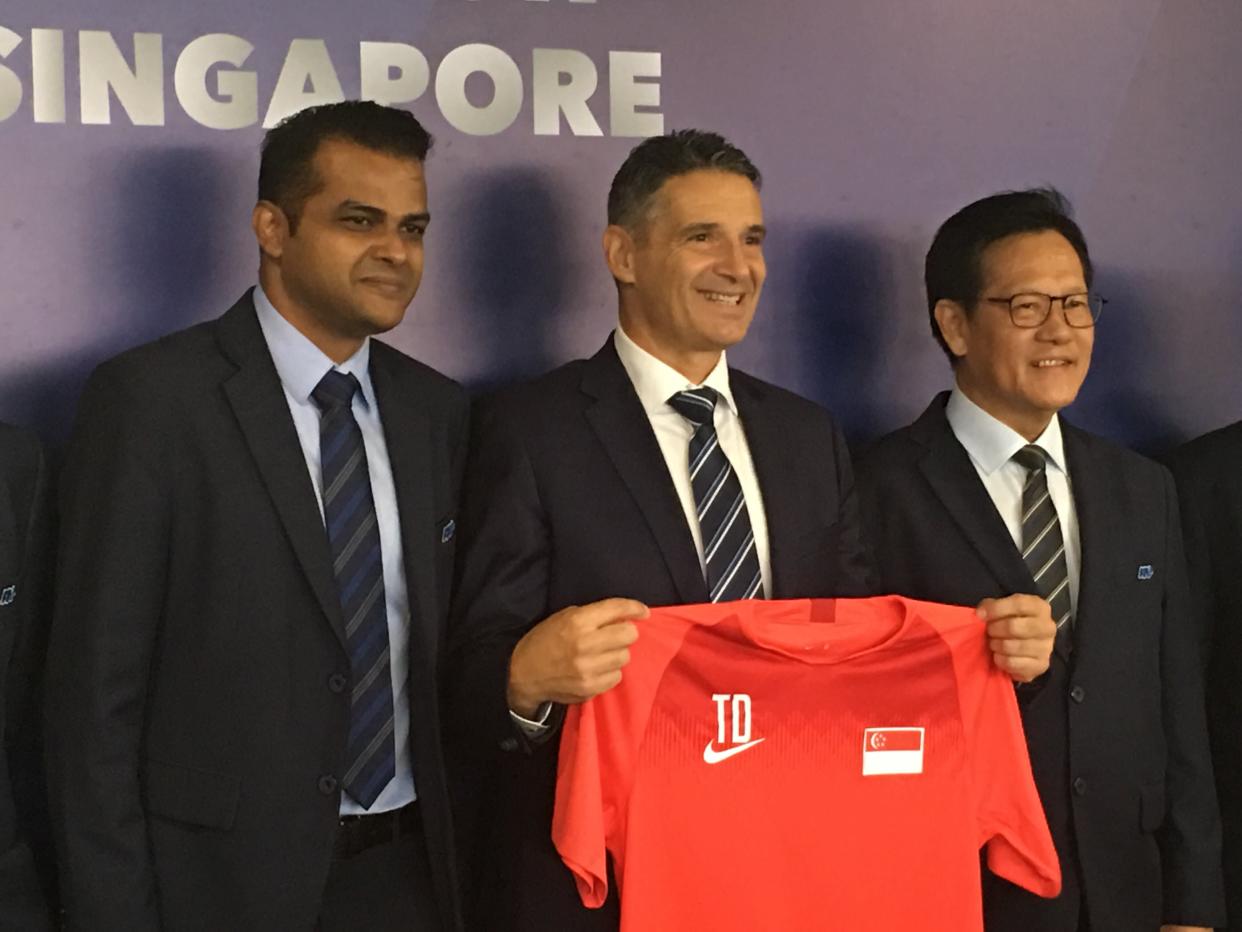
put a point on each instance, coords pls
(733, 728)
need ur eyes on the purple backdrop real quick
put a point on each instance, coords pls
(871, 122)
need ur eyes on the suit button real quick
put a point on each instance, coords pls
(327, 785)
(337, 682)
(1078, 694)
(1080, 786)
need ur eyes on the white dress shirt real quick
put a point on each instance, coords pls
(991, 446)
(300, 365)
(656, 382)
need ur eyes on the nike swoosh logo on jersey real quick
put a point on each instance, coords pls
(713, 756)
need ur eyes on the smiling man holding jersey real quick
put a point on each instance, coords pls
(650, 474)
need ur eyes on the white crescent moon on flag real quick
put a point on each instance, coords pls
(877, 740)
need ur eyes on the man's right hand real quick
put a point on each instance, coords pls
(573, 655)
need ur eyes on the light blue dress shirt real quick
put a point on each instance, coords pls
(991, 446)
(300, 365)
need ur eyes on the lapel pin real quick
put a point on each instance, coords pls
(447, 534)
(1145, 571)
(7, 595)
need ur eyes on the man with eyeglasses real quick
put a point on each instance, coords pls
(990, 492)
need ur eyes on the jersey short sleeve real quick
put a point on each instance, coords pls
(599, 746)
(1009, 815)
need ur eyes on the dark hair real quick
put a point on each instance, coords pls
(654, 161)
(954, 267)
(286, 169)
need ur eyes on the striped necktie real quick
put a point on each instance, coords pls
(1043, 547)
(732, 562)
(353, 536)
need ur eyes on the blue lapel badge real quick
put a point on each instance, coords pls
(447, 533)
(1145, 571)
(7, 595)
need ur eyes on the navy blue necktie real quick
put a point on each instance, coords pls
(353, 536)
(732, 562)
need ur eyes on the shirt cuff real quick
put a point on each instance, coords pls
(536, 727)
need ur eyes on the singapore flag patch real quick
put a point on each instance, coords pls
(892, 751)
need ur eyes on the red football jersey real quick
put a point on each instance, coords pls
(811, 764)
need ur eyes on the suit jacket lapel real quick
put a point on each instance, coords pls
(948, 469)
(408, 435)
(258, 402)
(776, 471)
(618, 419)
(1097, 529)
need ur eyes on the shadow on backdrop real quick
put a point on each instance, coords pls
(160, 232)
(1121, 399)
(512, 266)
(844, 310)
(169, 251)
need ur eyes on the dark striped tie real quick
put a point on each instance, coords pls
(353, 536)
(728, 541)
(1043, 548)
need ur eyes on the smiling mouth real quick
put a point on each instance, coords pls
(1051, 363)
(385, 284)
(720, 297)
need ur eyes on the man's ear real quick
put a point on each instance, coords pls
(619, 253)
(271, 228)
(954, 324)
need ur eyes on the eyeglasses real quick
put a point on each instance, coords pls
(1029, 311)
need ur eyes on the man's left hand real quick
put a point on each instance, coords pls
(1021, 633)
(1185, 929)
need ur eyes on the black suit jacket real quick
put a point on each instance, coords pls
(1116, 729)
(1209, 481)
(200, 728)
(25, 574)
(568, 500)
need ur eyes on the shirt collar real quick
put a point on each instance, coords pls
(991, 443)
(656, 382)
(299, 362)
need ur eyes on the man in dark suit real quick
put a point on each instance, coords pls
(649, 474)
(25, 575)
(990, 491)
(257, 554)
(1208, 471)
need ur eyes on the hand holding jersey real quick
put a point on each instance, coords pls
(573, 654)
(579, 652)
(1021, 634)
